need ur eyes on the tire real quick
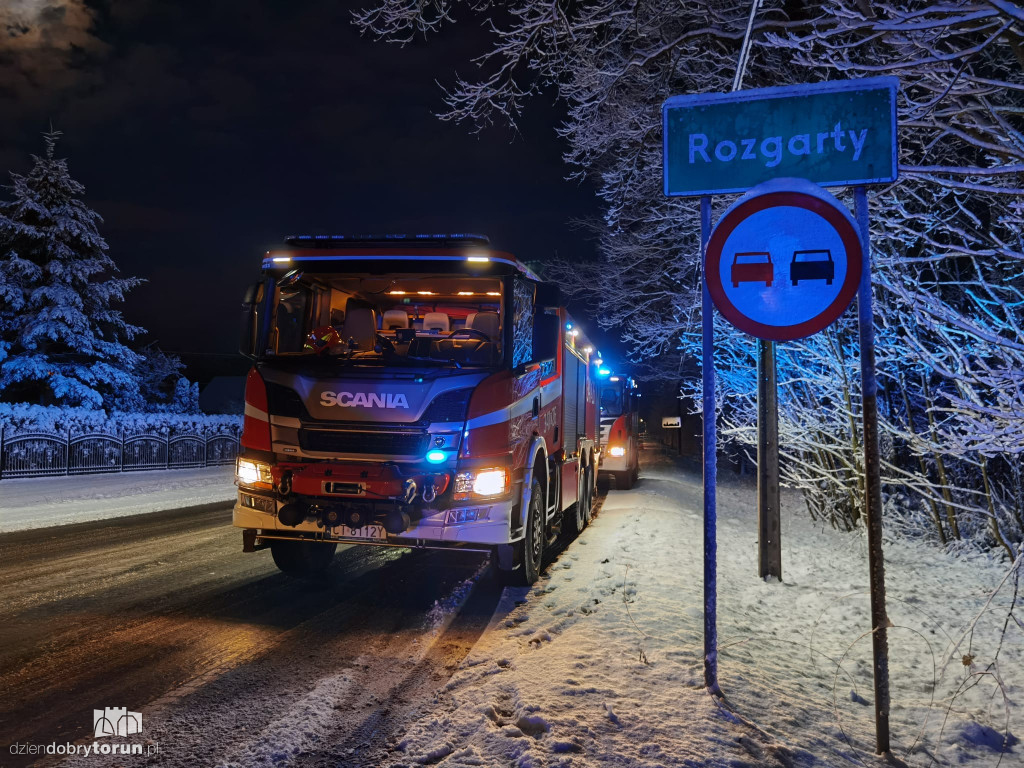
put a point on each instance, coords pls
(533, 542)
(519, 564)
(302, 559)
(624, 480)
(591, 495)
(579, 515)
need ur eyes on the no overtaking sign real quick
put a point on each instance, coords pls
(784, 261)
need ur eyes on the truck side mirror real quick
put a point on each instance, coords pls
(247, 337)
(548, 295)
(545, 335)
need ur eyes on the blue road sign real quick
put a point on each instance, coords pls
(836, 133)
(785, 261)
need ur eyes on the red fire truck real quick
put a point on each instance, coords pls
(620, 425)
(413, 391)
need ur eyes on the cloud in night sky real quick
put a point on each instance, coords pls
(41, 42)
(31, 25)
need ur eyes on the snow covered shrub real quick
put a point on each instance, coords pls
(162, 388)
(22, 417)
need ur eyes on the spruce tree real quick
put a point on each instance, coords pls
(61, 339)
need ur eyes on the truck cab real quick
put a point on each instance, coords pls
(418, 391)
(618, 400)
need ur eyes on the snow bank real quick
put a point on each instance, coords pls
(44, 501)
(601, 662)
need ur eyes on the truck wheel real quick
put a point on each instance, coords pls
(519, 564)
(591, 495)
(533, 542)
(579, 514)
(302, 559)
(624, 480)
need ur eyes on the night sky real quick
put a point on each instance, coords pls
(206, 131)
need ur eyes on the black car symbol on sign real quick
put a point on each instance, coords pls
(812, 265)
(757, 270)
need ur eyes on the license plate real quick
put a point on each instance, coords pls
(375, 532)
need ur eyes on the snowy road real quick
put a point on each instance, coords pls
(599, 664)
(154, 609)
(39, 502)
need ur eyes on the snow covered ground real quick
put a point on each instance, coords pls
(601, 663)
(43, 501)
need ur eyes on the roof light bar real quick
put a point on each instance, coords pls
(452, 239)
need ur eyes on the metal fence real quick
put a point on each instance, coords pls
(41, 454)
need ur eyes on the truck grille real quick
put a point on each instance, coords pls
(375, 443)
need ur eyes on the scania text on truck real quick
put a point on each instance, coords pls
(413, 391)
(620, 426)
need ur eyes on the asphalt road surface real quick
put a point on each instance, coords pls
(164, 614)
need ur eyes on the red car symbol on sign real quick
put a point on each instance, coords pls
(816, 265)
(759, 271)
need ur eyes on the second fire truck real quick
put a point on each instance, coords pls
(620, 426)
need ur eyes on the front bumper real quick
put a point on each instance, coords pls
(614, 463)
(431, 527)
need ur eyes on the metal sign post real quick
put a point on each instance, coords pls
(873, 484)
(707, 319)
(769, 523)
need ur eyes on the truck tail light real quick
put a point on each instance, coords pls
(256, 424)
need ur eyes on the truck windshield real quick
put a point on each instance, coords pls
(422, 319)
(611, 400)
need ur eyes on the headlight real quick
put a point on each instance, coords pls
(617, 450)
(492, 481)
(255, 473)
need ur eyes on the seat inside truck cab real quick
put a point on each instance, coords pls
(394, 318)
(486, 323)
(360, 327)
(471, 349)
(436, 322)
